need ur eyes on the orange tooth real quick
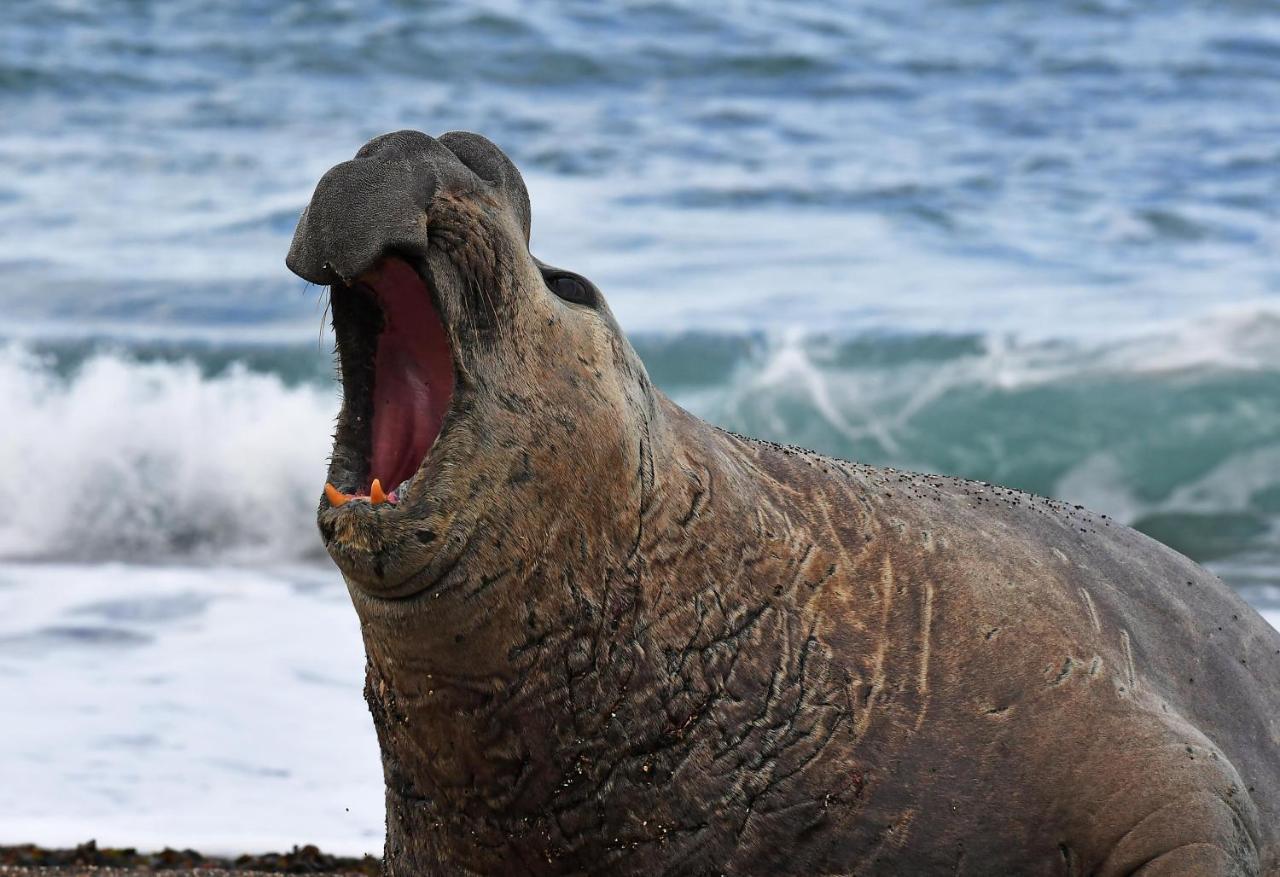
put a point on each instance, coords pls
(336, 497)
(376, 496)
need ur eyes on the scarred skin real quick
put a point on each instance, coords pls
(604, 637)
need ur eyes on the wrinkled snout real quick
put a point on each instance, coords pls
(379, 202)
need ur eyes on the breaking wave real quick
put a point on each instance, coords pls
(129, 459)
(210, 453)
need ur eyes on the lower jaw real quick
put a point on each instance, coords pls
(371, 567)
(391, 551)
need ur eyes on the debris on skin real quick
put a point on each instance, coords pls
(90, 859)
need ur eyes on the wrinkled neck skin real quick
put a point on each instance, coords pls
(566, 700)
(585, 636)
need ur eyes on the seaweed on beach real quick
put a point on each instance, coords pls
(300, 860)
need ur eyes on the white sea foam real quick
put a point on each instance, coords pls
(146, 460)
(210, 707)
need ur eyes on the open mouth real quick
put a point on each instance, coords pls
(397, 380)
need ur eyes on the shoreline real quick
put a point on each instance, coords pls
(90, 859)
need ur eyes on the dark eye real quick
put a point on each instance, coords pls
(571, 287)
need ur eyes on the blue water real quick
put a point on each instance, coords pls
(1042, 169)
(1033, 243)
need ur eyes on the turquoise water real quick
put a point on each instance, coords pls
(1177, 434)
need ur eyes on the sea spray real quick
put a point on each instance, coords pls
(122, 459)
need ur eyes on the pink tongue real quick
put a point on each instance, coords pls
(413, 376)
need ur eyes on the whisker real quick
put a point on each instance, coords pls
(324, 319)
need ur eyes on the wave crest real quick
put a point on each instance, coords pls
(134, 460)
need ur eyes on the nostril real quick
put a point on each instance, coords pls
(484, 159)
(478, 154)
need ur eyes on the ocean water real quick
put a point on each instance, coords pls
(1027, 243)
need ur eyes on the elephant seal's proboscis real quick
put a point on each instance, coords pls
(604, 637)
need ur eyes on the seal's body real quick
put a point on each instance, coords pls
(605, 637)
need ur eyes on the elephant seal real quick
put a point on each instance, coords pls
(604, 637)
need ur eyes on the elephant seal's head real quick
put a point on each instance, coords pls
(491, 396)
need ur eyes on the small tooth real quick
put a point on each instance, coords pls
(336, 497)
(376, 496)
